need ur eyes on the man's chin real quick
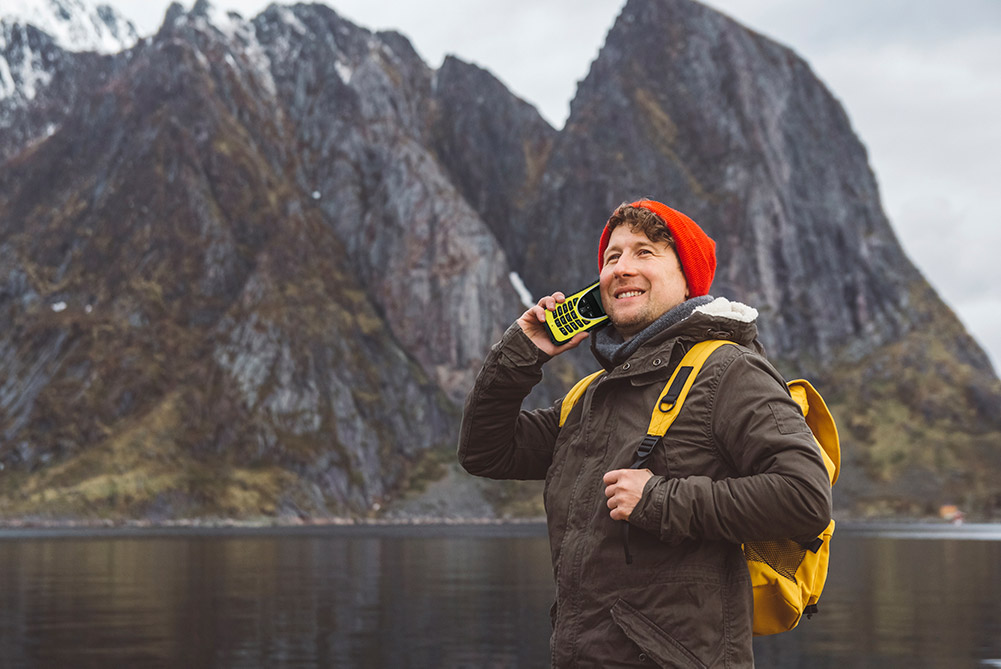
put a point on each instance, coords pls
(628, 327)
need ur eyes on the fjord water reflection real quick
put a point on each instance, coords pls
(438, 597)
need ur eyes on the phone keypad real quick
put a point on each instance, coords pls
(566, 317)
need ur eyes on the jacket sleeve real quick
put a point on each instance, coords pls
(497, 439)
(781, 490)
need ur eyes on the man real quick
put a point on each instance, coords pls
(738, 464)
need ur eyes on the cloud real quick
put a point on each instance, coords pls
(983, 316)
(943, 239)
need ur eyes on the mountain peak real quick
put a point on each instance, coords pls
(74, 25)
(205, 17)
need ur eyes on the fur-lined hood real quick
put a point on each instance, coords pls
(721, 319)
(724, 308)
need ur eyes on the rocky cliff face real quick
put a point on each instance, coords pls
(193, 313)
(251, 267)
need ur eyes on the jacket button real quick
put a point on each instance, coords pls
(626, 366)
(642, 657)
(656, 362)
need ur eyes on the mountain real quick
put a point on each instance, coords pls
(250, 267)
(51, 52)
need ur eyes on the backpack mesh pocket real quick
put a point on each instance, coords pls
(782, 556)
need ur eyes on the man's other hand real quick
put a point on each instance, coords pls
(623, 488)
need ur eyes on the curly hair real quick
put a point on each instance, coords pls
(641, 220)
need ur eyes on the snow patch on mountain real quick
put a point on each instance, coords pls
(242, 36)
(32, 32)
(22, 73)
(74, 25)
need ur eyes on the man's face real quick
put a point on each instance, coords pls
(640, 280)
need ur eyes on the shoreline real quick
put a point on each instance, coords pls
(106, 523)
(415, 526)
(426, 526)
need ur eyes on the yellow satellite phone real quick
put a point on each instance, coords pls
(580, 312)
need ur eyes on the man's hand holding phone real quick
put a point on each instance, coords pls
(533, 324)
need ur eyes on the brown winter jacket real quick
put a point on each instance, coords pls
(738, 464)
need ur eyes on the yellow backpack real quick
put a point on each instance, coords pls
(786, 577)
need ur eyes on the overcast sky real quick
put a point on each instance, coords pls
(920, 80)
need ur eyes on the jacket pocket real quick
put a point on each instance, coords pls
(657, 644)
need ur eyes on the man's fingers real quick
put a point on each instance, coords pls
(613, 476)
(549, 302)
(611, 480)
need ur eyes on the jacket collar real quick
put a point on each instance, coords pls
(700, 319)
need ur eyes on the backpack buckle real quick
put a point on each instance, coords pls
(644, 450)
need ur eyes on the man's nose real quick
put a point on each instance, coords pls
(624, 266)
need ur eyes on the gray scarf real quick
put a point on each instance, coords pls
(611, 350)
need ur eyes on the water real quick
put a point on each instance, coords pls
(440, 597)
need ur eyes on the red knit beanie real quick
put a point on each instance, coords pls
(696, 250)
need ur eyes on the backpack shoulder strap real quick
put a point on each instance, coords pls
(668, 407)
(673, 396)
(575, 394)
